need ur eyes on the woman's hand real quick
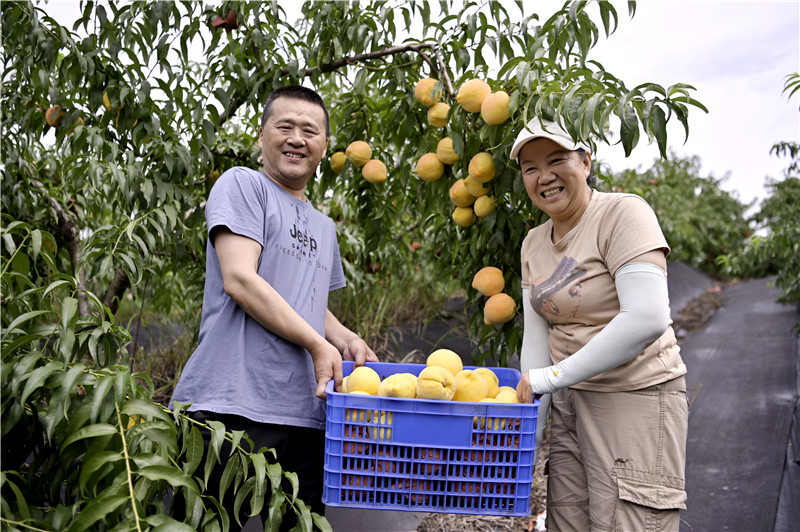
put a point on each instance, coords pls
(524, 392)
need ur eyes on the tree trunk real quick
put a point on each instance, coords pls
(68, 230)
(116, 289)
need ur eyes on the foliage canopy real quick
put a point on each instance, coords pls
(700, 220)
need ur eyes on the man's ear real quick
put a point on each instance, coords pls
(260, 136)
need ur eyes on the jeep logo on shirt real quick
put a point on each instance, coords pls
(303, 239)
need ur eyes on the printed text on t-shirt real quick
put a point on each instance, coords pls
(303, 238)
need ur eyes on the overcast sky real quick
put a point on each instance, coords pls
(735, 53)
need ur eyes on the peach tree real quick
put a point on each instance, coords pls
(113, 132)
(773, 249)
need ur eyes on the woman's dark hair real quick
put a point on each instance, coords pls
(592, 179)
(298, 92)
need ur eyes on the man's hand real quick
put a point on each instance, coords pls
(524, 392)
(349, 344)
(327, 366)
(359, 352)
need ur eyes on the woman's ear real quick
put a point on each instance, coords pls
(587, 163)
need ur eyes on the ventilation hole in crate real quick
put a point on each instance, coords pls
(384, 466)
(453, 470)
(360, 482)
(383, 423)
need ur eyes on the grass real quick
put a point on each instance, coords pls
(372, 309)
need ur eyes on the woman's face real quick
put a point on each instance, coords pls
(555, 179)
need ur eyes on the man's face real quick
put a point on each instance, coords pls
(293, 142)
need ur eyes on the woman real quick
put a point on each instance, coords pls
(598, 342)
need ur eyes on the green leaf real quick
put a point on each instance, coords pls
(659, 126)
(217, 436)
(36, 243)
(321, 523)
(194, 450)
(174, 476)
(691, 101)
(99, 396)
(67, 387)
(242, 494)
(629, 129)
(523, 70)
(213, 525)
(56, 284)
(150, 459)
(236, 438)
(259, 463)
(228, 474)
(164, 523)
(65, 347)
(274, 471)
(217, 439)
(22, 505)
(294, 481)
(161, 433)
(22, 318)
(683, 118)
(37, 378)
(96, 510)
(276, 512)
(146, 409)
(69, 308)
(121, 381)
(607, 12)
(95, 462)
(92, 431)
(652, 87)
(304, 519)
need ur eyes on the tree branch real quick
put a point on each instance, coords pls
(394, 50)
(443, 72)
(237, 102)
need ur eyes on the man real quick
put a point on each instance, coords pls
(267, 339)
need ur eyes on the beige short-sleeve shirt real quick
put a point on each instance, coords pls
(571, 284)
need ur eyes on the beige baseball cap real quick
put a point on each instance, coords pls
(544, 129)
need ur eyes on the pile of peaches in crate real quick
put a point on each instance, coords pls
(443, 378)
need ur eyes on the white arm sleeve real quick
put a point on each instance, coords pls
(643, 317)
(535, 354)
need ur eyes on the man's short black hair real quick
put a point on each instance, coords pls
(298, 92)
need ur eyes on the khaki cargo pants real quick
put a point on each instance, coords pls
(617, 459)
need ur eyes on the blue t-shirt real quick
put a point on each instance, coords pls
(239, 367)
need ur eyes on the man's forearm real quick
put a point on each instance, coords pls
(238, 259)
(265, 305)
(336, 333)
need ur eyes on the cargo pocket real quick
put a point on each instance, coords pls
(660, 492)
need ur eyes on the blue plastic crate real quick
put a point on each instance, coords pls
(388, 453)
